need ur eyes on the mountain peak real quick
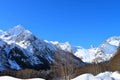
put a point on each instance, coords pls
(115, 40)
(16, 33)
(19, 27)
(16, 30)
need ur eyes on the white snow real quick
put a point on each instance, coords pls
(85, 77)
(16, 30)
(115, 40)
(116, 75)
(87, 55)
(102, 76)
(63, 46)
(12, 78)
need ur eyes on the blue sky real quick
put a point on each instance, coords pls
(81, 22)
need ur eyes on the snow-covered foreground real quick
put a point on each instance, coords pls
(101, 76)
(11, 78)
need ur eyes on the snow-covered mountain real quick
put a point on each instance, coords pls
(19, 49)
(102, 53)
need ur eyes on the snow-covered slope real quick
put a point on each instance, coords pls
(101, 76)
(107, 49)
(87, 55)
(102, 53)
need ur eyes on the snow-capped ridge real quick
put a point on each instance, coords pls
(66, 46)
(19, 29)
(102, 53)
(107, 49)
(28, 44)
(14, 34)
(16, 30)
(115, 40)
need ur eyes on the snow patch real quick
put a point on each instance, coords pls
(102, 76)
(12, 78)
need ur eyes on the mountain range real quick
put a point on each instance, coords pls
(20, 49)
(102, 53)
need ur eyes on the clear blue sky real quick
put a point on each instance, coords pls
(81, 22)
